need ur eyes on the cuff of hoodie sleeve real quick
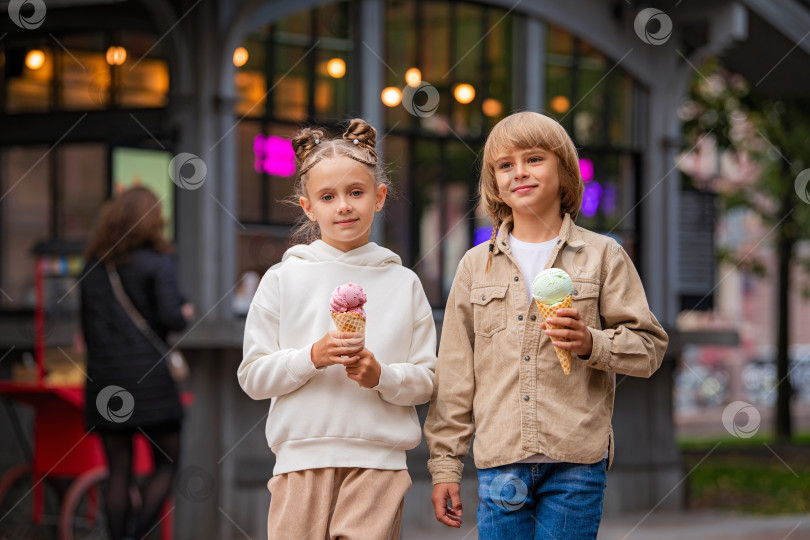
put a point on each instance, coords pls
(389, 384)
(446, 471)
(300, 366)
(600, 351)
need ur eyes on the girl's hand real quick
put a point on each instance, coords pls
(336, 348)
(365, 371)
(580, 340)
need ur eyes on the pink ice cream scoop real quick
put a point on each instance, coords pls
(348, 297)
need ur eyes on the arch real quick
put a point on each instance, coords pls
(595, 23)
(180, 79)
(250, 16)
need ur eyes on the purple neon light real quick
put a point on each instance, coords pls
(481, 235)
(586, 169)
(274, 155)
(590, 198)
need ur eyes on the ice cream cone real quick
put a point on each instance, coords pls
(546, 311)
(349, 322)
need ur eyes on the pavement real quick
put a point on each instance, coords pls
(680, 526)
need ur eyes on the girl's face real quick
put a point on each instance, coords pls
(342, 198)
(528, 181)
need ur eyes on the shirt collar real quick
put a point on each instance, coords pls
(569, 234)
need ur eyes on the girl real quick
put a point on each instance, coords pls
(129, 235)
(342, 414)
(543, 439)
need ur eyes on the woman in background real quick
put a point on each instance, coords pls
(129, 389)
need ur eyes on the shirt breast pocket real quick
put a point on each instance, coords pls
(489, 309)
(587, 302)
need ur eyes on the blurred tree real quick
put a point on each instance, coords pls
(763, 143)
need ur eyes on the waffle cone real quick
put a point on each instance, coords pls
(546, 311)
(349, 322)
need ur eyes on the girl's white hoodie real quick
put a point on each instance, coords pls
(319, 417)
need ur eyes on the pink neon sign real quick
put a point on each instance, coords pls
(586, 169)
(273, 155)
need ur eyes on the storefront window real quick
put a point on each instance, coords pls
(29, 77)
(593, 99)
(87, 72)
(47, 196)
(299, 70)
(449, 76)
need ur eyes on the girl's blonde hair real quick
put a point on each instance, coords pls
(312, 146)
(525, 130)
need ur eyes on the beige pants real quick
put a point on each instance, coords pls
(332, 503)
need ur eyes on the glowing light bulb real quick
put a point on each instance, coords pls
(492, 107)
(336, 68)
(35, 59)
(116, 55)
(560, 104)
(240, 56)
(391, 96)
(464, 93)
(413, 77)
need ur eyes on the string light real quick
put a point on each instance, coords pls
(240, 56)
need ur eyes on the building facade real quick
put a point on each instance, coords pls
(97, 96)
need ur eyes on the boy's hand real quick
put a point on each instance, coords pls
(580, 340)
(450, 516)
(365, 371)
(336, 348)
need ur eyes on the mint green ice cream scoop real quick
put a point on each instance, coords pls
(552, 286)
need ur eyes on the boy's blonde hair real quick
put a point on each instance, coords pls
(525, 130)
(312, 146)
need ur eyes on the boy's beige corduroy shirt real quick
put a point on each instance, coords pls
(499, 377)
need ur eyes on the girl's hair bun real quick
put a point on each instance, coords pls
(306, 141)
(364, 133)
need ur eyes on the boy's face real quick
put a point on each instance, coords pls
(342, 198)
(528, 181)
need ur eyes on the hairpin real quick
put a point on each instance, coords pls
(357, 141)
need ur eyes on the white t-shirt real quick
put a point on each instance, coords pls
(532, 259)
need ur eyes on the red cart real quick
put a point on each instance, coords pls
(61, 487)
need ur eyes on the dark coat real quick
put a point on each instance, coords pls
(118, 354)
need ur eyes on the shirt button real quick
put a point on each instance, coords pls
(483, 298)
(526, 397)
(533, 317)
(527, 357)
(520, 317)
(517, 278)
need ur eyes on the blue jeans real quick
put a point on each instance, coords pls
(557, 501)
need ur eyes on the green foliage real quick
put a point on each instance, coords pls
(775, 133)
(756, 484)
